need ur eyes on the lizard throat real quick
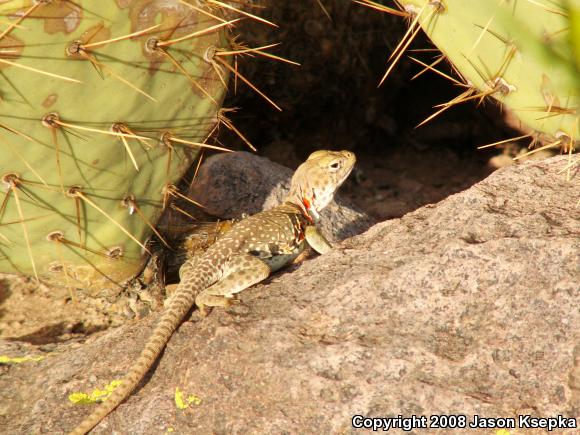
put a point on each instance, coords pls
(309, 212)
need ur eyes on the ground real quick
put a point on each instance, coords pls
(465, 307)
(331, 101)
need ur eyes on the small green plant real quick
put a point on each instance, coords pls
(94, 396)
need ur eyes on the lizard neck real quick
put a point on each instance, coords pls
(300, 208)
(308, 201)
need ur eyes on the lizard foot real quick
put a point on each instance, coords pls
(205, 301)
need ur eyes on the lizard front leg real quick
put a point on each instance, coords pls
(316, 240)
(241, 271)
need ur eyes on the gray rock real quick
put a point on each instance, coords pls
(469, 306)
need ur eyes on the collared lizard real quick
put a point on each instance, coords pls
(247, 254)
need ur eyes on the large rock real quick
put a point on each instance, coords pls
(469, 306)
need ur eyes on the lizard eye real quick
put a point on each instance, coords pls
(335, 166)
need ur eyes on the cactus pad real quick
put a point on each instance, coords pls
(518, 52)
(98, 102)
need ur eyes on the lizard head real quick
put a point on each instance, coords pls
(317, 179)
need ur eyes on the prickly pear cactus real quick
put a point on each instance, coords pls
(101, 106)
(518, 52)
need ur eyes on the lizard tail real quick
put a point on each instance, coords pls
(180, 304)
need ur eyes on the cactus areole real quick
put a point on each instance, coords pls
(99, 102)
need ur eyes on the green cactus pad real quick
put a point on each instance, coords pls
(520, 51)
(77, 207)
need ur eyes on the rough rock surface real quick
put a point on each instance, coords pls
(469, 306)
(231, 185)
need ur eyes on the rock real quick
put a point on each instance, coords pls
(233, 184)
(469, 306)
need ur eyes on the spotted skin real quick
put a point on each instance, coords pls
(247, 254)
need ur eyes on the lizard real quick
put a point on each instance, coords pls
(248, 253)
